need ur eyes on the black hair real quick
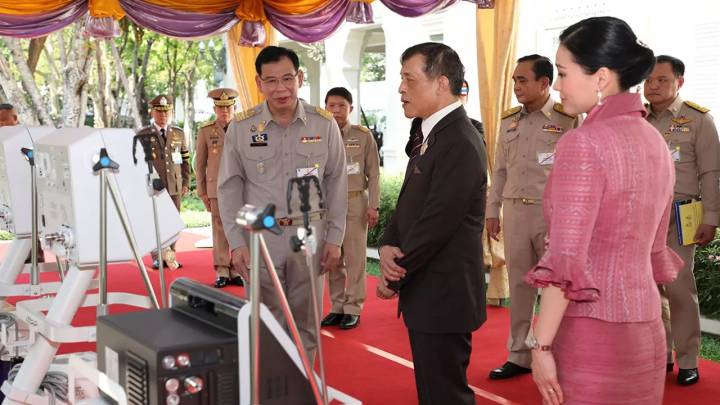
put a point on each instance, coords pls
(6, 107)
(440, 60)
(274, 54)
(678, 67)
(340, 92)
(609, 42)
(542, 67)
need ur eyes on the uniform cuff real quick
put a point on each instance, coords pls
(236, 241)
(711, 218)
(492, 211)
(334, 236)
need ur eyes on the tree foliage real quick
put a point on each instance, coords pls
(373, 67)
(67, 79)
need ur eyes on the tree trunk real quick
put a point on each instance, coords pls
(76, 79)
(28, 81)
(100, 101)
(54, 101)
(34, 50)
(128, 88)
(190, 111)
(16, 96)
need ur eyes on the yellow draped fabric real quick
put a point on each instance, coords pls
(217, 6)
(251, 10)
(106, 8)
(496, 39)
(20, 7)
(242, 60)
(496, 33)
(297, 6)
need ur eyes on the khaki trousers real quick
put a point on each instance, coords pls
(292, 270)
(524, 245)
(221, 248)
(347, 283)
(177, 200)
(680, 311)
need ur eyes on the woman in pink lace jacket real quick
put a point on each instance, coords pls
(598, 338)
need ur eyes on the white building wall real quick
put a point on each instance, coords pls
(689, 30)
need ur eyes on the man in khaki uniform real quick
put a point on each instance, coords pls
(209, 147)
(694, 146)
(347, 284)
(266, 146)
(523, 160)
(170, 155)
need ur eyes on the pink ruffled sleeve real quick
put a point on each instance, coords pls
(573, 195)
(665, 262)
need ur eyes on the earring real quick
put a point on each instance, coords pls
(599, 97)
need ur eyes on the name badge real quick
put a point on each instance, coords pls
(546, 158)
(353, 168)
(308, 171)
(177, 158)
(675, 153)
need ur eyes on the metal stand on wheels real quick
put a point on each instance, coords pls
(255, 221)
(305, 240)
(155, 185)
(15, 259)
(53, 328)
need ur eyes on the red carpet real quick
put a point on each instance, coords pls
(373, 362)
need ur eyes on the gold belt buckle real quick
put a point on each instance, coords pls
(284, 221)
(528, 201)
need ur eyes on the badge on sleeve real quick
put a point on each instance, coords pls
(259, 140)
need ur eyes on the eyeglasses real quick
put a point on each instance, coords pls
(287, 80)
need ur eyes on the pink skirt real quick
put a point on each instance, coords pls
(607, 363)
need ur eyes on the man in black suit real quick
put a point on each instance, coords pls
(431, 252)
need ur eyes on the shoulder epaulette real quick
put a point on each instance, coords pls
(208, 124)
(559, 108)
(243, 115)
(143, 130)
(696, 107)
(176, 128)
(361, 128)
(324, 113)
(511, 112)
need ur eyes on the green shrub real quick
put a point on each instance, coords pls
(707, 277)
(191, 202)
(389, 191)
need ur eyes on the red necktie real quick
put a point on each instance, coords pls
(416, 143)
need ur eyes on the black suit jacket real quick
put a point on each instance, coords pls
(438, 224)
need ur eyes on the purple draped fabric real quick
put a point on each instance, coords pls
(360, 13)
(102, 27)
(311, 27)
(179, 24)
(416, 8)
(30, 26)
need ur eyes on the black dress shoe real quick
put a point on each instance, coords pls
(332, 319)
(238, 281)
(349, 321)
(508, 370)
(688, 376)
(669, 368)
(221, 282)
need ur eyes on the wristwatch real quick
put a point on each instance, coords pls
(533, 344)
